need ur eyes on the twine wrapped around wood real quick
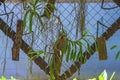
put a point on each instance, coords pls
(102, 50)
(17, 43)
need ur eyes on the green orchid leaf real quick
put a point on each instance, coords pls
(113, 47)
(51, 73)
(73, 50)
(117, 55)
(39, 18)
(68, 51)
(64, 49)
(88, 45)
(52, 6)
(31, 22)
(74, 53)
(79, 56)
(36, 1)
(25, 18)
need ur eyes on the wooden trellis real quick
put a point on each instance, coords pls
(76, 65)
(24, 46)
(42, 64)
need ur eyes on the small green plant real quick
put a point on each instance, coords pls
(73, 50)
(4, 78)
(33, 12)
(103, 76)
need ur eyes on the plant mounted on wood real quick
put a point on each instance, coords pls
(34, 10)
(63, 46)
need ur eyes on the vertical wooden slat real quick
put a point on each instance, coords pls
(102, 50)
(57, 56)
(17, 43)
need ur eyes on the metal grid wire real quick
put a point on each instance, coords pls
(68, 16)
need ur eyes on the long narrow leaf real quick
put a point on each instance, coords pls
(79, 56)
(117, 55)
(36, 1)
(68, 51)
(31, 22)
(88, 45)
(25, 18)
(73, 50)
(47, 13)
(52, 6)
(74, 53)
(40, 20)
(112, 76)
(113, 47)
(64, 49)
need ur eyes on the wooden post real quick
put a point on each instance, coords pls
(102, 48)
(17, 42)
(57, 56)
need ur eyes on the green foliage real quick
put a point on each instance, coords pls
(112, 75)
(113, 47)
(74, 49)
(75, 79)
(103, 76)
(117, 55)
(49, 10)
(4, 78)
(93, 79)
(52, 77)
(32, 11)
(36, 54)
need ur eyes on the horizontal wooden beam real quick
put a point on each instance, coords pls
(61, 1)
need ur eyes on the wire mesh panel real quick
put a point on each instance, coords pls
(74, 17)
